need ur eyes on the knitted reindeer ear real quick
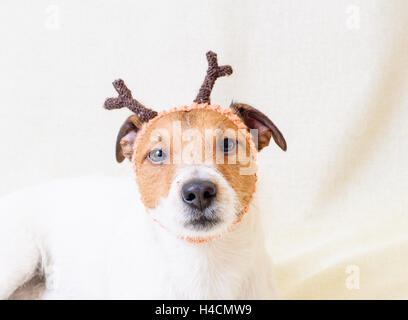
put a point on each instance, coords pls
(127, 133)
(214, 72)
(255, 119)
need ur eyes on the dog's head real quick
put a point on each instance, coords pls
(195, 165)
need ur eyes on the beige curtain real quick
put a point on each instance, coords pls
(333, 76)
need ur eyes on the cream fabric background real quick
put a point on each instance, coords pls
(333, 75)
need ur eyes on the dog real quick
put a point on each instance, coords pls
(189, 228)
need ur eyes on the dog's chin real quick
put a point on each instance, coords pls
(197, 220)
(201, 224)
(207, 224)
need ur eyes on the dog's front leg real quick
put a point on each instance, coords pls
(19, 254)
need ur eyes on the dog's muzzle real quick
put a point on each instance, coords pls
(199, 196)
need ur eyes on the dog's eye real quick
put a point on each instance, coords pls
(228, 145)
(157, 156)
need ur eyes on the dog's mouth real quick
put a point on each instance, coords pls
(202, 220)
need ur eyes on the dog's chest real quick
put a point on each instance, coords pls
(172, 269)
(205, 274)
(186, 279)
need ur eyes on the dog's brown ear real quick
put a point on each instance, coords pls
(126, 138)
(255, 119)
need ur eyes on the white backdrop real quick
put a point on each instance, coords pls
(331, 74)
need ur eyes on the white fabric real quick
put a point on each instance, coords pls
(332, 75)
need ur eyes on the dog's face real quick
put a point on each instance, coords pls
(195, 166)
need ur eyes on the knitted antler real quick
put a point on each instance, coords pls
(125, 100)
(213, 73)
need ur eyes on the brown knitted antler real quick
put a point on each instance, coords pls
(213, 73)
(125, 100)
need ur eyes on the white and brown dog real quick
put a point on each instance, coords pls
(201, 239)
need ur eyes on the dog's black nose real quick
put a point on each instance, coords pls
(199, 194)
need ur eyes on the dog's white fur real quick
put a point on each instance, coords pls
(93, 238)
(226, 206)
